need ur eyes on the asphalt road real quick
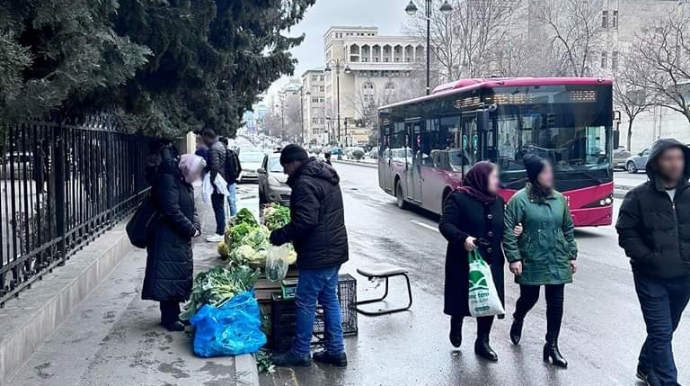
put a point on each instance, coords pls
(601, 334)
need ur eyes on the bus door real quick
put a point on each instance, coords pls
(413, 158)
(385, 172)
(470, 141)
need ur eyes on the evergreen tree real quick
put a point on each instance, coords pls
(166, 66)
(59, 54)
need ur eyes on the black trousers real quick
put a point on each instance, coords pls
(170, 311)
(483, 324)
(555, 295)
(663, 302)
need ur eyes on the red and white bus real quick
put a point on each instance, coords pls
(427, 144)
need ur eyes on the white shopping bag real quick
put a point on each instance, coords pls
(207, 188)
(483, 297)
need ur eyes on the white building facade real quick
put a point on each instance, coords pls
(313, 105)
(372, 70)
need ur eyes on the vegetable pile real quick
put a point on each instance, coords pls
(217, 286)
(247, 241)
(276, 216)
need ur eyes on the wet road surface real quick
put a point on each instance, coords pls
(601, 335)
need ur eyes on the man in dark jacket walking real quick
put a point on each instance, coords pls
(654, 230)
(216, 166)
(317, 230)
(233, 168)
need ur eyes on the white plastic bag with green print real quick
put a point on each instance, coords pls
(483, 297)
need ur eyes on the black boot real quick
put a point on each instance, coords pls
(483, 349)
(551, 351)
(456, 332)
(516, 331)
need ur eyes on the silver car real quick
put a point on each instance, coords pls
(637, 161)
(620, 156)
(273, 182)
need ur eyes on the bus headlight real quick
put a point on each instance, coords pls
(602, 202)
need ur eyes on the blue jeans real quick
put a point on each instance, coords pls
(662, 302)
(218, 203)
(318, 285)
(232, 199)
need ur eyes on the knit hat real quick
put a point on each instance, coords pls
(533, 165)
(291, 153)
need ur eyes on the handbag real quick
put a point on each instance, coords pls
(139, 226)
(483, 296)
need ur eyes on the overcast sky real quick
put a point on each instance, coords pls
(388, 15)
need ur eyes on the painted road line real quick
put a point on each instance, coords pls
(427, 226)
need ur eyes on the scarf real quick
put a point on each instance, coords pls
(476, 182)
(191, 167)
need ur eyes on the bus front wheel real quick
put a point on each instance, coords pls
(402, 204)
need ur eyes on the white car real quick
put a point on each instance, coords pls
(250, 162)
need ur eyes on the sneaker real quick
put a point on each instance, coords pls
(338, 360)
(290, 359)
(215, 238)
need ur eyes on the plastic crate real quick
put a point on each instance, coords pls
(283, 315)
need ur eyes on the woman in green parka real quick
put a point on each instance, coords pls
(545, 253)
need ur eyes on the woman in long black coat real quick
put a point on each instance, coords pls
(473, 218)
(169, 264)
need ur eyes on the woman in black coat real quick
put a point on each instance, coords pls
(169, 264)
(473, 219)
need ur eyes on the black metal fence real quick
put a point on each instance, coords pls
(61, 185)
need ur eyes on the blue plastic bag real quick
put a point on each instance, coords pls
(233, 329)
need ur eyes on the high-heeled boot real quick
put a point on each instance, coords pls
(483, 349)
(551, 351)
(456, 332)
(516, 331)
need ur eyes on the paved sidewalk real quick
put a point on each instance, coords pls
(113, 337)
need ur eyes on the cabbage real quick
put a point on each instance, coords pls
(242, 254)
(257, 237)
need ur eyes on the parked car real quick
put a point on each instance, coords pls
(637, 161)
(620, 156)
(273, 182)
(373, 153)
(251, 162)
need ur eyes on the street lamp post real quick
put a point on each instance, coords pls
(411, 10)
(338, 63)
(301, 109)
(282, 119)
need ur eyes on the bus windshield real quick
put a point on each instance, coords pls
(575, 137)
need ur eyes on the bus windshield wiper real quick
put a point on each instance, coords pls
(514, 183)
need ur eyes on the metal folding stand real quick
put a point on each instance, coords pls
(384, 271)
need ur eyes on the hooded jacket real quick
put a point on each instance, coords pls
(317, 225)
(654, 230)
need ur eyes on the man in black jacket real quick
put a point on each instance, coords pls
(317, 230)
(216, 166)
(654, 230)
(233, 168)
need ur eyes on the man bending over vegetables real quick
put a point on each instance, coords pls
(317, 230)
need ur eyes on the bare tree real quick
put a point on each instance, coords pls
(631, 97)
(573, 30)
(467, 41)
(660, 60)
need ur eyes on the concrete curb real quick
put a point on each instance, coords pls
(246, 372)
(347, 162)
(29, 320)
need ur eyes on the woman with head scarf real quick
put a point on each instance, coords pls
(545, 253)
(472, 219)
(169, 263)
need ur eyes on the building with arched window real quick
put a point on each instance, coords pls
(381, 71)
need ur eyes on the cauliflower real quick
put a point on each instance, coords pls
(242, 254)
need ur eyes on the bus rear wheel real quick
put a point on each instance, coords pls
(402, 204)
